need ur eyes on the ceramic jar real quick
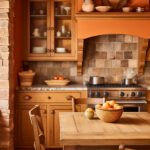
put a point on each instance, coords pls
(36, 32)
(88, 6)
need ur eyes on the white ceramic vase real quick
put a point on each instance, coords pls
(88, 6)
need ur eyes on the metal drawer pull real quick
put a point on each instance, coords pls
(49, 97)
(27, 97)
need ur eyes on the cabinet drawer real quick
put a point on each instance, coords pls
(46, 97)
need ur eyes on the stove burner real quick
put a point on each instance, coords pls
(113, 86)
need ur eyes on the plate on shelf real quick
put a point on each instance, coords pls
(57, 82)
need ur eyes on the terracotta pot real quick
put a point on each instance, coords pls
(88, 6)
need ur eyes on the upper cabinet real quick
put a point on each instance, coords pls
(49, 30)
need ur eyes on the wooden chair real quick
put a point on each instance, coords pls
(36, 122)
(75, 101)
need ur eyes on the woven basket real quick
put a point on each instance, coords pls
(26, 78)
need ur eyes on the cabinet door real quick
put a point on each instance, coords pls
(54, 123)
(50, 30)
(63, 35)
(23, 129)
(38, 29)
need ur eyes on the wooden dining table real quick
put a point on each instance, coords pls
(133, 128)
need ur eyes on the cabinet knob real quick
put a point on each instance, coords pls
(44, 112)
(52, 50)
(27, 97)
(49, 97)
(52, 112)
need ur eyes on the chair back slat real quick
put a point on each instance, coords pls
(38, 130)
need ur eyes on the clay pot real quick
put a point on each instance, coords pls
(88, 6)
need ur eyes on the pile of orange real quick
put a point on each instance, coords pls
(109, 105)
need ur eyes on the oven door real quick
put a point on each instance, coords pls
(133, 105)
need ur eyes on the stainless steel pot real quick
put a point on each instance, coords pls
(96, 80)
(128, 81)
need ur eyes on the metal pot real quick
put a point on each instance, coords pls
(96, 80)
(128, 81)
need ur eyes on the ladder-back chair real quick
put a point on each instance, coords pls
(38, 131)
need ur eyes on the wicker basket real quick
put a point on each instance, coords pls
(109, 115)
(26, 78)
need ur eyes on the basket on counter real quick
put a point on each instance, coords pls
(26, 78)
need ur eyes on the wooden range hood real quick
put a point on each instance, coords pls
(95, 23)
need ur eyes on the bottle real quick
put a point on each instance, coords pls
(58, 34)
(63, 30)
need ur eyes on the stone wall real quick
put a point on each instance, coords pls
(106, 55)
(6, 139)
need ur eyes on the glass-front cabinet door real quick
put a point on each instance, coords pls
(50, 30)
(37, 28)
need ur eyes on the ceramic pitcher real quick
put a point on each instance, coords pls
(88, 6)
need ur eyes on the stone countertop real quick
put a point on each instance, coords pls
(70, 87)
(147, 86)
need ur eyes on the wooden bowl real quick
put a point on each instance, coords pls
(103, 8)
(109, 116)
(57, 82)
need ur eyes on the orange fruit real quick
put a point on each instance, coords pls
(116, 105)
(119, 107)
(98, 106)
(112, 102)
(106, 106)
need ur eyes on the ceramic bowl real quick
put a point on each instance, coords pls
(126, 9)
(38, 49)
(60, 50)
(109, 115)
(103, 8)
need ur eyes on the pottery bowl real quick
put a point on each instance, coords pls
(60, 50)
(126, 9)
(38, 49)
(109, 116)
(103, 8)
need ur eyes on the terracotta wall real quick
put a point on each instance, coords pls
(107, 55)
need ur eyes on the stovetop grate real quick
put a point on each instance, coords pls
(113, 86)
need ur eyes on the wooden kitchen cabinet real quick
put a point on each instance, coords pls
(51, 103)
(54, 122)
(49, 27)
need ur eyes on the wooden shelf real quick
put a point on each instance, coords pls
(39, 38)
(63, 16)
(114, 15)
(38, 0)
(63, 38)
(38, 16)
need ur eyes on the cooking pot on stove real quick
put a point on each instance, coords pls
(96, 80)
(128, 81)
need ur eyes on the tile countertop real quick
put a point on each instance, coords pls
(70, 87)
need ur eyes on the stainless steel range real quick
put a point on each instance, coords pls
(132, 97)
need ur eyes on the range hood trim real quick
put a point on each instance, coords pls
(94, 24)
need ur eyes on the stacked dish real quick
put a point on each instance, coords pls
(38, 49)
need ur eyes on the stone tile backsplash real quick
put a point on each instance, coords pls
(106, 55)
